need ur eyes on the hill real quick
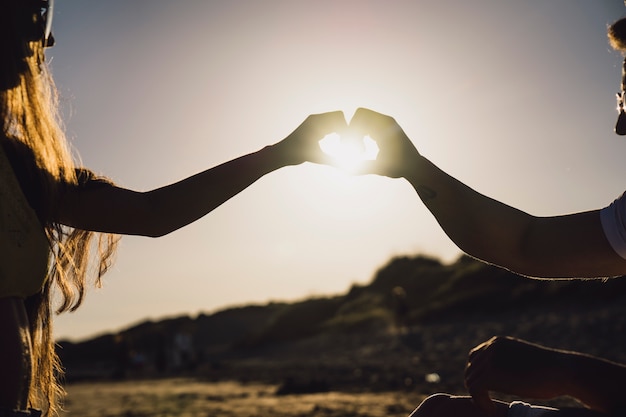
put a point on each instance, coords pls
(409, 328)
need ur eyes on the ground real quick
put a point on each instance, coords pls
(191, 398)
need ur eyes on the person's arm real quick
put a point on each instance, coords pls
(109, 208)
(551, 247)
(563, 246)
(516, 367)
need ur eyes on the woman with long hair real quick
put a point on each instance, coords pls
(59, 221)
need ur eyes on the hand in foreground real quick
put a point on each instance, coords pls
(302, 145)
(512, 366)
(397, 154)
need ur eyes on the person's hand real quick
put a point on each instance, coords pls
(512, 366)
(302, 145)
(397, 154)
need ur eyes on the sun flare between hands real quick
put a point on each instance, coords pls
(349, 153)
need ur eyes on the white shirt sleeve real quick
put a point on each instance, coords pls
(613, 218)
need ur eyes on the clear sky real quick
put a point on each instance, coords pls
(515, 98)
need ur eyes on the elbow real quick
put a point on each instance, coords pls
(533, 260)
(157, 233)
(155, 219)
(146, 228)
(512, 260)
(157, 228)
(513, 252)
(525, 261)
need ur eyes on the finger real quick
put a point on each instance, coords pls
(366, 121)
(382, 128)
(479, 360)
(478, 357)
(483, 401)
(479, 372)
(363, 112)
(476, 351)
(481, 347)
(475, 373)
(331, 122)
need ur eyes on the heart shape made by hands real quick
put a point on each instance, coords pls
(349, 152)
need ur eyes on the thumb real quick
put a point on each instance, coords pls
(381, 167)
(483, 401)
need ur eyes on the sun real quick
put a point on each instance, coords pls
(350, 152)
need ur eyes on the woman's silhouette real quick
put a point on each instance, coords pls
(53, 212)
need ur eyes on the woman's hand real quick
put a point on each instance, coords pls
(397, 154)
(302, 145)
(513, 366)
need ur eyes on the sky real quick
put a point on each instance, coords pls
(514, 98)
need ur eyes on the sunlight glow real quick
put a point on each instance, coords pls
(349, 153)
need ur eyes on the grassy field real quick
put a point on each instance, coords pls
(190, 398)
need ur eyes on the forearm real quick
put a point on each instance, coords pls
(596, 382)
(480, 226)
(183, 202)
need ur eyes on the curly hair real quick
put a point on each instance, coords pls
(617, 35)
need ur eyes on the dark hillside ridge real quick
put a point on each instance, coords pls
(416, 317)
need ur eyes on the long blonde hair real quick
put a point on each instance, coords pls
(31, 128)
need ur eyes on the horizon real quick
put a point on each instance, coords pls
(195, 315)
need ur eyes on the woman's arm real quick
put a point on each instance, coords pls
(552, 247)
(109, 208)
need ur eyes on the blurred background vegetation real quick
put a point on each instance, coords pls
(410, 328)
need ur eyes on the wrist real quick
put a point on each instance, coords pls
(595, 382)
(283, 154)
(278, 155)
(416, 170)
(564, 368)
